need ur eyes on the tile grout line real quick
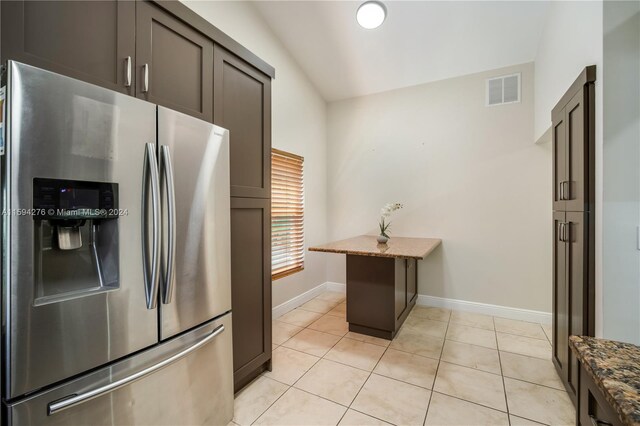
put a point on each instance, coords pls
(326, 359)
(386, 348)
(425, 357)
(291, 386)
(470, 402)
(435, 376)
(364, 383)
(504, 386)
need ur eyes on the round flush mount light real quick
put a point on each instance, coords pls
(371, 14)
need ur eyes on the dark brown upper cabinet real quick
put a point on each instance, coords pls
(174, 63)
(242, 104)
(573, 146)
(560, 161)
(87, 40)
(250, 287)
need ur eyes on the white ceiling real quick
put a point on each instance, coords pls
(420, 41)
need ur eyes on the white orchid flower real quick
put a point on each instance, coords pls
(385, 212)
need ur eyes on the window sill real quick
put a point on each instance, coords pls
(286, 273)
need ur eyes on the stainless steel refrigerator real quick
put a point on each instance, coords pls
(115, 259)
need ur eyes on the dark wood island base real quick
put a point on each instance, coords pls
(381, 292)
(382, 281)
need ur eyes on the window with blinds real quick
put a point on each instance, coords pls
(287, 214)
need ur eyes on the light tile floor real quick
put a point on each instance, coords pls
(443, 368)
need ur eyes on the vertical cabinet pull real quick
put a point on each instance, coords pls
(145, 78)
(564, 231)
(127, 72)
(565, 188)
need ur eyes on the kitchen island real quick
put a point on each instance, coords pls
(382, 280)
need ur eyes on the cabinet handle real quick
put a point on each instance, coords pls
(561, 231)
(565, 232)
(596, 422)
(127, 72)
(145, 78)
(562, 190)
(566, 193)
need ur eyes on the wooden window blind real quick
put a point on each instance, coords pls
(287, 214)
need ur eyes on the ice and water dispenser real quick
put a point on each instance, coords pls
(76, 238)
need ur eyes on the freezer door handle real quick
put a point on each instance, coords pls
(151, 272)
(169, 266)
(76, 399)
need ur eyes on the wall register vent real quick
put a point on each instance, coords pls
(503, 90)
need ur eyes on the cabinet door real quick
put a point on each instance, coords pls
(577, 287)
(86, 40)
(577, 153)
(560, 161)
(250, 286)
(412, 280)
(560, 304)
(174, 63)
(242, 104)
(400, 287)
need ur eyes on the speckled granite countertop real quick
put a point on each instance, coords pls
(367, 245)
(615, 367)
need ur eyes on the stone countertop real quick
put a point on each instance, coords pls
(367, 245)
(615, 368)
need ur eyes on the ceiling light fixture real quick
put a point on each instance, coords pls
(371, 14)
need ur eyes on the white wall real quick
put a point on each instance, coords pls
(466, 173)
(298, 126)
(571, 40)
(621, 169)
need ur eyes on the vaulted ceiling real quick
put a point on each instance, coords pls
(420, 41)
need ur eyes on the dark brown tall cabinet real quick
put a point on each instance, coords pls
(163, 52)
(573, 204)
(242, 104)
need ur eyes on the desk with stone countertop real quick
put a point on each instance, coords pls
(382, 280)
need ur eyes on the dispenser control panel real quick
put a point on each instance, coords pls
(74, 199)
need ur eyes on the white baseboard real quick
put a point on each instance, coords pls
(291, 304)
(424, 300)
(340, 287)
(485, 308)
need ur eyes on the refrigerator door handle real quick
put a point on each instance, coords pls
(76, 399)
(169, 269)
(151, 277)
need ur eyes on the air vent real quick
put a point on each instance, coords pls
(503, 90)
